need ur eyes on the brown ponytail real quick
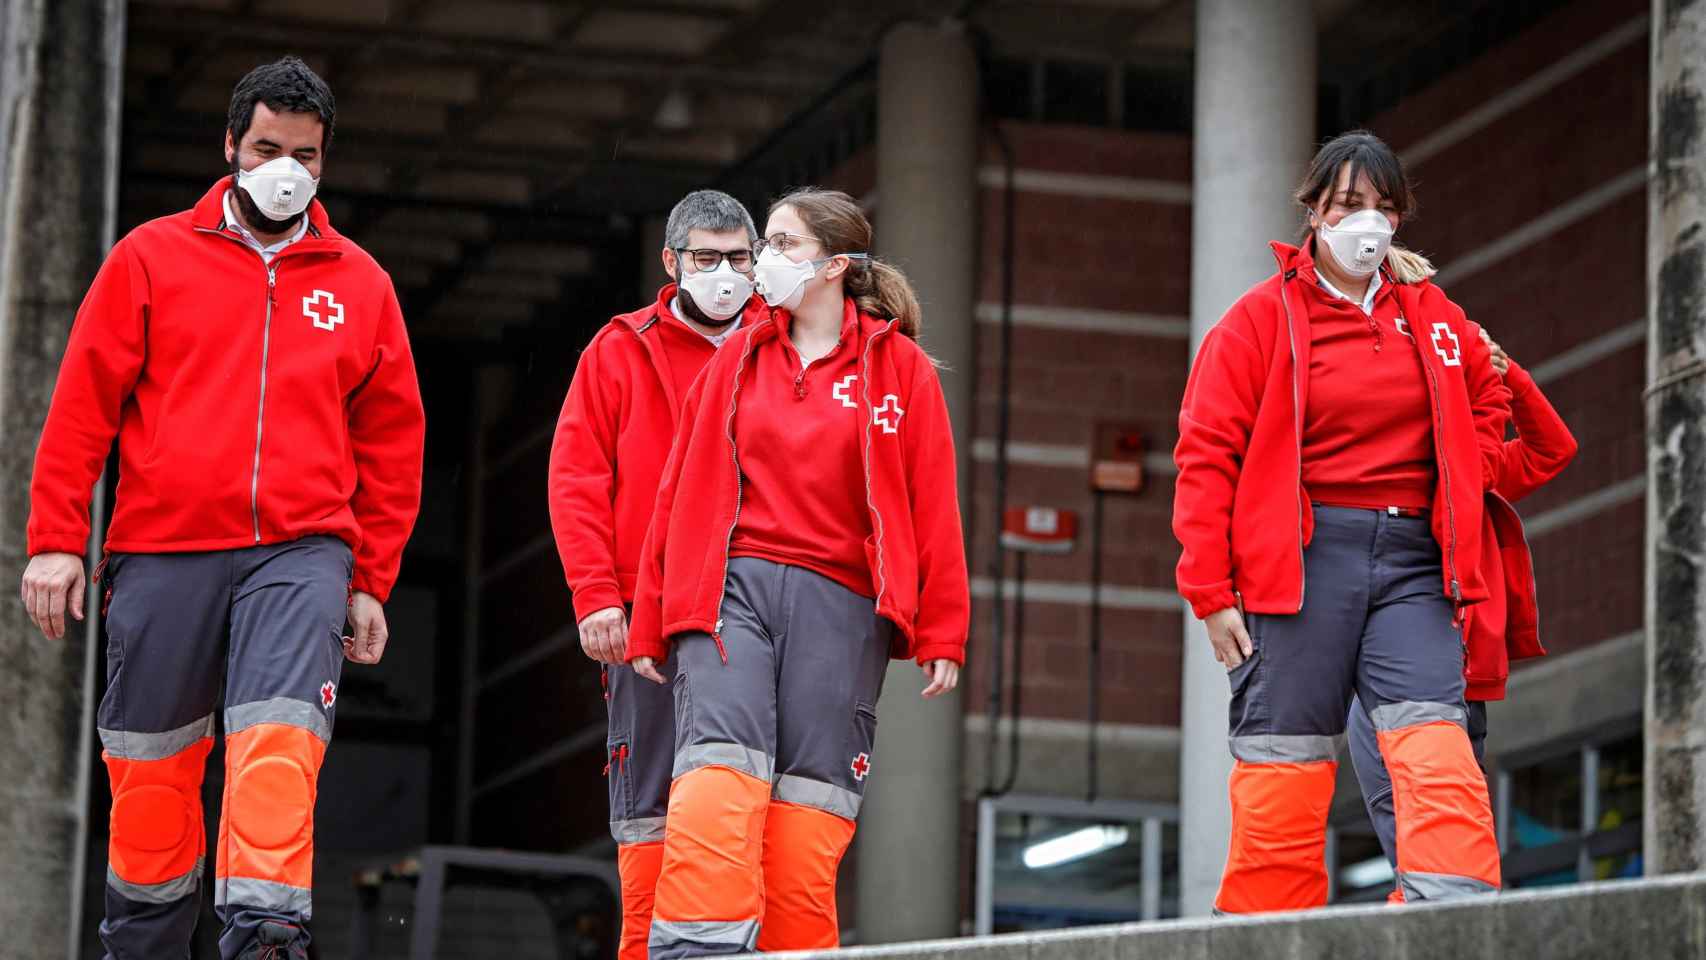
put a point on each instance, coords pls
(877, 288)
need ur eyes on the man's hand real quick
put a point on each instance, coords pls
(50, 580)
(604, 636)
(944, 676)
(1231, 641)
(368, 632)
(648, 668)
(1501, 360)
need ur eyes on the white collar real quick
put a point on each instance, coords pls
(266, 250)
(716, 339)
(1367, 304)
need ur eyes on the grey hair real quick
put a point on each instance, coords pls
(711, 210)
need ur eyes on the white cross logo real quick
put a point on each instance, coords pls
(891, 404)
(840, 392)
(333, 316)
(1443, 332)
(1403, 326)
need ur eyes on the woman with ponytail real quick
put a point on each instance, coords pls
(807, 530)
(1339, 430)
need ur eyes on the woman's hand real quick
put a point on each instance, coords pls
(944, 676)
(1501, 360)
(1231, 641)
(647, 667)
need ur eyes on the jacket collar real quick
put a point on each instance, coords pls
(209, 213)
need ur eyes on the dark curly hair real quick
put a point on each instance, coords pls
(284, 85)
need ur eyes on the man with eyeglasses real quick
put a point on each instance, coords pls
(606, 462)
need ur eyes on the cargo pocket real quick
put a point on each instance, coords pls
(617, 770)
(1247, 711)
(682, 692)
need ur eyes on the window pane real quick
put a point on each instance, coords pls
(1620, 798)
(1158, 99)
(1007, 87)
(1075, 93)
(1546, 801)
(1064, 872)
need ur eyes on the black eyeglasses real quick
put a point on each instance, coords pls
(707, 259)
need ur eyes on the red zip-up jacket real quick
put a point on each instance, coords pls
(1240, 511)
(917, 552)
(608, 455)
(1507, 626)
(253, 404)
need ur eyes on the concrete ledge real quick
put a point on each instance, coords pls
(1658, 918)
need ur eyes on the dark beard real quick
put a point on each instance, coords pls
(257, 221)
(692, 312)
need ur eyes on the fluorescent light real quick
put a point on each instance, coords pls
(1074, 846)
(1368, 873)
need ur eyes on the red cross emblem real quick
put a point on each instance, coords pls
(861, 766)
(324, 309)
(328, 695)
(1453, 356)
(891, 405)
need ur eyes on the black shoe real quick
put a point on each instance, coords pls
(275, 941)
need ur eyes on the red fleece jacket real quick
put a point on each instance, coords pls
(253, 404)
(608, 454)
(1507, 626)
(1240, 509)
(916, 553)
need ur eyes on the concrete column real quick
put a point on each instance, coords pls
(60, 68)
(1674, 825)
(927, 115)
(1252, 136)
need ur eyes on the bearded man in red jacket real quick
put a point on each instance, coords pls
(254, 367)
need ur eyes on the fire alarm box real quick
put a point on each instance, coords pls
(1116, 459)
(1039, 529)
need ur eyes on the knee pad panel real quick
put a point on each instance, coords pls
(154, 819)
(271, 802)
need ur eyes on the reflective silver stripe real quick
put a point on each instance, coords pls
(731, 755)
(129, 745)
(1414, 713)
(292, 713)
(277, 897)
(668, 937)
(170, 891)
(638, 830)
(1286, 748)
(1441, 886)
(827, 797)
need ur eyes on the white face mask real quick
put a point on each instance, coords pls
(720, 293)
(782, 282)
(1360, 241)
(281, 187)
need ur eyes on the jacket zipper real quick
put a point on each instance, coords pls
(261, 410)
(1445, 476)
(266, 349)
(1297, 493)
(734, 458)
(870, 498)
